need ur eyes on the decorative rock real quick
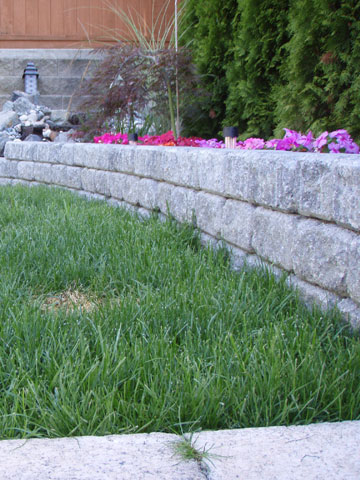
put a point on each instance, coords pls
(23, 118)
(8, 106)
(33, 138)
(8, 119)
(4, 137)
(32, 118)
(23, 106)
(59, 116)
(63, 137)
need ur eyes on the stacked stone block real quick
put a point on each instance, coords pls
(293, 212)
(60, 73)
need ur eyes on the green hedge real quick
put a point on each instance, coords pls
(268, 65)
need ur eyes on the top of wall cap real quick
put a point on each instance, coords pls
(48, 54)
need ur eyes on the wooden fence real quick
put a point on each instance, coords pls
(72, 23)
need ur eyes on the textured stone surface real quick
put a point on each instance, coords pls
(327, 451)
(238, 224)
(208, 213)
(321, 254)
(273, 237)
(127, 457)
(8, 119)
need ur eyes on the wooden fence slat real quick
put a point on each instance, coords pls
(6, 17)
(70, 18)
(32, 17)
(57, 17)
(19, 17)
(44, 17)
(27, 23)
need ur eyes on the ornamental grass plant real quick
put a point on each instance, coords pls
(111, 323)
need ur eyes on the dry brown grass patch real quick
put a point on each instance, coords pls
(70, 300)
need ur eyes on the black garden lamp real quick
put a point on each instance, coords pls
(230, 134)
(133, 138)
(30, 79)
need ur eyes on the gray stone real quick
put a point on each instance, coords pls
(55, 85)
(63, 137)
(273, 237)
(353, 271)
(8, 106)
(317, 182)
(127, 457)
(148, 189)
(26, 171)
(182, 203)
(311, 294)
(350, 311)
(9, 84)
(8, 168)
(33, 138)
(59, 116)
(238, 224)
(322, 451)
(211, 172)
(347, 193)
(208, 213)
(321, 254)
(22, 106)
(6, 67)
(4, 137)
(8, 119)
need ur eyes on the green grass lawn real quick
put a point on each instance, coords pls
(113, 324)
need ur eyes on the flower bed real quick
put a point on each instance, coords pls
(338, 141)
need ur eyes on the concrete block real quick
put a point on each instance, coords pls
(347, 193)
(101, 182)
(26, 171)
(100, 157)
(353, 270)
(123, 158)
(321, 254)
(6, 67)
(211, 171)
(208, 213)
(8, 168)
(87, 176)
(9, 84)
(76, 67)
(73, 178)
(59, 175)
(238, 224)
(178, 165)
(53, 85)
(287, 193)
(117, 185)
(350, 311)
(148, 190)
(164, 200)
(237, 166)
(274, 236)
(317, 182)
(144, 162)
(183, 202)
(132, 192)
(238, 258)
(54, 101)
(311, 294)
(43, 172)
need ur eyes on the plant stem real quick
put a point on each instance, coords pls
(171, 110)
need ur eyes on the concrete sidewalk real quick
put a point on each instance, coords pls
(320, 451)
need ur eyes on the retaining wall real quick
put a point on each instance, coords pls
(297, 212)
(60, 72)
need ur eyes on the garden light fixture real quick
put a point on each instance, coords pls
(133, 138)
(230, 134)
(30, 79)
